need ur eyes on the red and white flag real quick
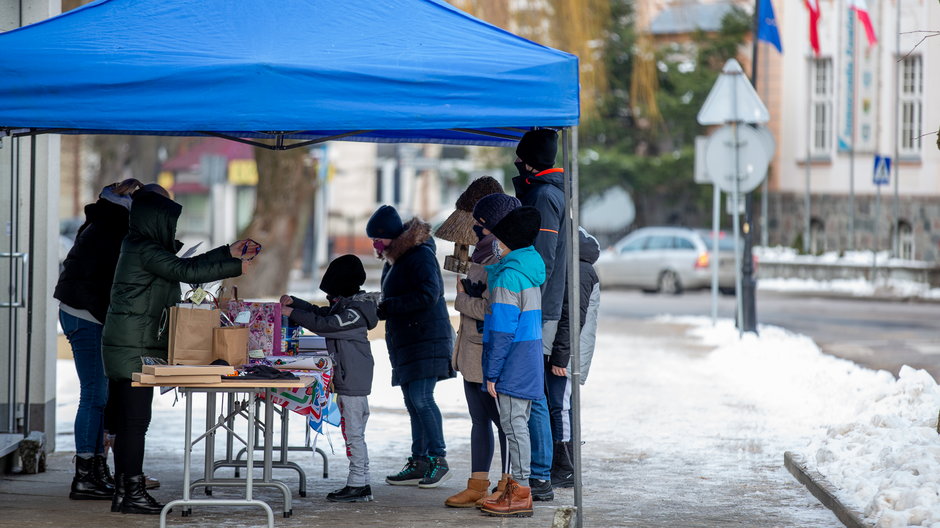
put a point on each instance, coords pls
(861, 10)
(813, 6)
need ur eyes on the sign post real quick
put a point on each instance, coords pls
(880, 177)
(733, 101)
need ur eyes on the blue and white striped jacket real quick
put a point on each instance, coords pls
(512, 326)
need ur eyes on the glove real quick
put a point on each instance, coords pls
(473, 289)
(380, 310)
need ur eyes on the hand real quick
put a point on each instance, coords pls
(491, 388)
(245, 266)
(460, 286)
(286, 311)
(245, 248)
(559, 371)
(286, 300)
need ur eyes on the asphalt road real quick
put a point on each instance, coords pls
(879, 334)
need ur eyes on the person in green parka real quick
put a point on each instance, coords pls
(146, 284)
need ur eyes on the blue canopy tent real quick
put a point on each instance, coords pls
(298, 71)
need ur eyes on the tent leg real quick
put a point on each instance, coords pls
(570, 141)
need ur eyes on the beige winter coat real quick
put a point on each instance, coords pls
(468, 350)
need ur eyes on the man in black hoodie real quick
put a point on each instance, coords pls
(541, 186)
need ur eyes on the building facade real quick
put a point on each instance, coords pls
(841, 109)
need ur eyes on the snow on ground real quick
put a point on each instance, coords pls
(733, 408)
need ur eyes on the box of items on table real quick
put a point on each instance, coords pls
(249, 339)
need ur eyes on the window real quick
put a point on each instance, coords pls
(821, 107)
(817, 237)
(634, 245)
(910, 105)
(683, 243)
(660, 242)
(905, 241)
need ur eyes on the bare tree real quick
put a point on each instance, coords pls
(284, 203)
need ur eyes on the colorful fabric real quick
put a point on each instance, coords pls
(512, 326)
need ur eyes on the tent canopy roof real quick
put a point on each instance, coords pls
(395, 70)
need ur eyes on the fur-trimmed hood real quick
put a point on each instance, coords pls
(417, 232)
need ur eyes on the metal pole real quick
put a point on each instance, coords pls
(807, 211)
(746, 286)
(851, 40)
(716, 225)
(569, 137)
(895, 244)
(29, 288)
(735, 197)
(874, 244)
(574, 321)
(765, 187)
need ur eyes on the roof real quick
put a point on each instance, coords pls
(396, 70)
(690, 17)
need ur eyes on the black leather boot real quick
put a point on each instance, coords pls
(136, 498)
(118, 493)
(84, 485)
(103, 472)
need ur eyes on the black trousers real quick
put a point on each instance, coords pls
(132, 412)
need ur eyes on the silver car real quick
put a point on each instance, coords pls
(668, 260)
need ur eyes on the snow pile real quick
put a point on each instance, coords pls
(854, 287)
(873, 437)
(887, 460)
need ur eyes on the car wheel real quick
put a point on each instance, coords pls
(669, 283)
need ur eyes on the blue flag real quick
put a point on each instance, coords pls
(767, 24)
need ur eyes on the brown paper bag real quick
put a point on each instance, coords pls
(230, 343)
(191, 335)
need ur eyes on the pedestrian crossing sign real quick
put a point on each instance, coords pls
(882, 170)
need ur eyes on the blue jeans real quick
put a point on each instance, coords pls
(540, 437)
(427, 424)
(85, 338)
(558, 389)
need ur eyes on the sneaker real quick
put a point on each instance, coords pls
(351, 494)
(437, 473)
(411, 474)
(541, 489)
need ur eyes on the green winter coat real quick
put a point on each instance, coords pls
(147, 282)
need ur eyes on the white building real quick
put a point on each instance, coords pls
(835, 112)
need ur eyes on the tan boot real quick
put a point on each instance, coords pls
(476, 490)
(516, 501)
(500, 488)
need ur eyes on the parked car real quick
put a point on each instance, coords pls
(668, 260)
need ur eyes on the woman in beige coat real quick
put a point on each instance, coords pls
(468, 360)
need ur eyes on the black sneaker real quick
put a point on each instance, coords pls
(541, 489)
(437, 473)
(411, 474)
(351, 494)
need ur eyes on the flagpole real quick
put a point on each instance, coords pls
(852, 140)
(764, 213)
(896, 243)
(809, 142)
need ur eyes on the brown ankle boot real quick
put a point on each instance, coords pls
(476, 490)
(516, 501)
(500, 488)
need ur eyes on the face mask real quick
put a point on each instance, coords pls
(497, 249)
(331, 298)
(379, 246)
(479, 232)
(520, 166)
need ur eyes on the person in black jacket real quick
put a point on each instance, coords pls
(542, 186)
(559, 394)
(84, 292)
(345, 324)
(419, 336)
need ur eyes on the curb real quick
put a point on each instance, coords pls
(823, 490)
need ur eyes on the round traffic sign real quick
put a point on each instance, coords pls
(751, 154)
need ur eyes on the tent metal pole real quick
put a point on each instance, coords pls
(570, 142)
(281, 145)
(30, 287)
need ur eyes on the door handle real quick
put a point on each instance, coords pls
(16, 291)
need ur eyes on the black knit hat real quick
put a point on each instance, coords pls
(343, 277)
(519, 228)
(493, 208)
(538, 148)
(385, 223)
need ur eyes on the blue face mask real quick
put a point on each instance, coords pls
(478, 230)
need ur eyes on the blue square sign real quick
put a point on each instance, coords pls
(882, 171)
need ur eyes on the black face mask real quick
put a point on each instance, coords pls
(479, 232)
(520, 165)
(330, 298)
